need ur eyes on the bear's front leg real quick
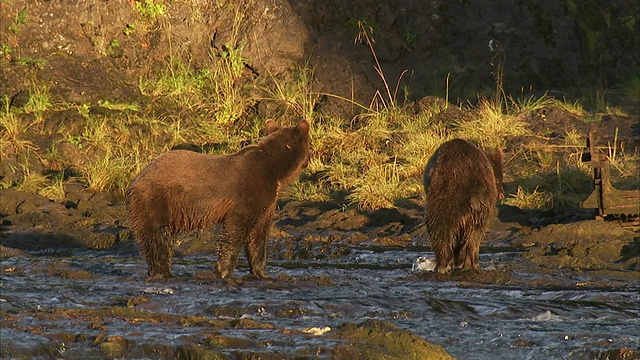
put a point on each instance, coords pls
(233, 237)
(257, 245)
(227, 259)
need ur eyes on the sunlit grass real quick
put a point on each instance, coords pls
(492, 125)
(372, 160)
(178, 82)
(532, 103)
(294, 95)
(311, 191)
(421, 139)
(39, 100)
(55, 189)
(32, 182)
(533, 199)
(219, 91)
(107, 173)
(379, 187)
(14, 135)
(119, 106)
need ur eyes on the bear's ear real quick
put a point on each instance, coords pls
(495, 155)
(303, 126)
(270, 126)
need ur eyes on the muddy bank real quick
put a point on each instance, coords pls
(568, 238)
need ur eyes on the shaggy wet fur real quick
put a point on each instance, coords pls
(184, 191)
(462, 184)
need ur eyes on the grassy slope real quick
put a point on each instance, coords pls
(371, 161)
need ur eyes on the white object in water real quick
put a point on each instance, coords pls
(424, 264)
(158, 290)
(317, 331)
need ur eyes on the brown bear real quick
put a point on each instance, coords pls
(185, 191)
(462, 184)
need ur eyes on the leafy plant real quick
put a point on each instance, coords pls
(75, 140)
(113, 47)
(20, 19)
(148, 9)
(129, 29)
(5, 51)
(35, 63)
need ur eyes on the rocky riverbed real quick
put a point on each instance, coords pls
(342, 286)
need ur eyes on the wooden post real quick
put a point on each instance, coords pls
(605, 198)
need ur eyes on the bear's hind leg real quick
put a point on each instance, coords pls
(442, 244)
(157, 249)
(460, 252)
(472, 249)
(257, 245)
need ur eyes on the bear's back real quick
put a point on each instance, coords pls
(459, 171)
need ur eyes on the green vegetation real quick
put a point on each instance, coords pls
(150, 10)
(34, 63)
(129, 29)
(374, 160)
(5, 51)
(20, 19)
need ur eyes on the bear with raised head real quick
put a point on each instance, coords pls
(462, 184)
(184, 191)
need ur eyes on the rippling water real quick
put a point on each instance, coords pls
(471, 322)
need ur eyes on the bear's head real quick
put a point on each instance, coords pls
(496, 159)
(289, 147)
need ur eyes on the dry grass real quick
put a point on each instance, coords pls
(533, 199)
(373, 161)
(492, 125)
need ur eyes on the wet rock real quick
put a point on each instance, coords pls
(249, 324)
(614, 354)
(226, 342)
(75, 274)
(196, 352)
(522, 343)
(199, 243)
(11, 252)
(587, 244)
(114, 347)
(467, 278)
(83, 219)
(375, 339)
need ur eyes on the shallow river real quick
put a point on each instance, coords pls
(471, 321)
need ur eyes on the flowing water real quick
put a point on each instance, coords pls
(470, 320)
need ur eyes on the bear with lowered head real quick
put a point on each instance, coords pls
(462, 184)
(184, 191)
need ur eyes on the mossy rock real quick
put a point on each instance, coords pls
(378, 340)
